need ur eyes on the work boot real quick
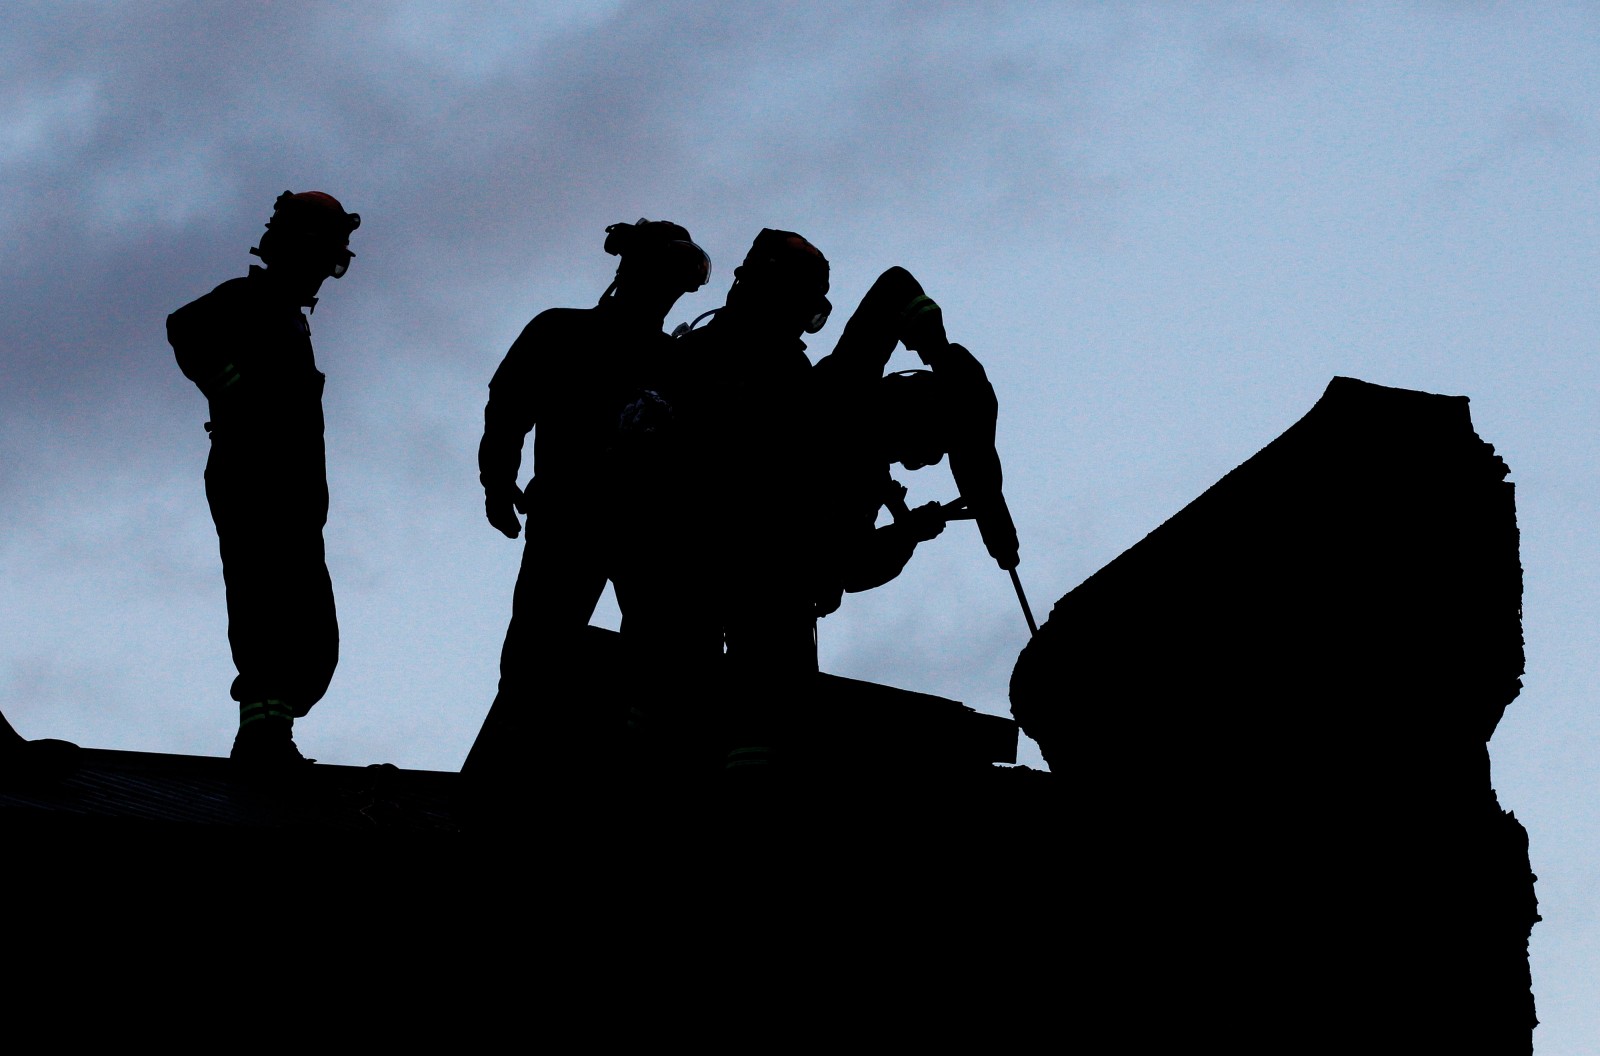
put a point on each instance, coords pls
(265, 741)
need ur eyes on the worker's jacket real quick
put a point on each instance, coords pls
(568, 378)
(247, 346)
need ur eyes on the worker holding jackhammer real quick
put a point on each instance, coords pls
(778, 470)
(567, 379)
(913, 418)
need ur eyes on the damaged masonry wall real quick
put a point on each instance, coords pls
(1271, 716)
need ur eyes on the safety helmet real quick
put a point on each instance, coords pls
(310, 220)
(787, 258)
(662, 245)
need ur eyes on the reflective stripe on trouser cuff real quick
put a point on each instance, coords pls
(749, 757)
(264, 709)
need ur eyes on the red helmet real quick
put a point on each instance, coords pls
(310, 218)
(785, 259)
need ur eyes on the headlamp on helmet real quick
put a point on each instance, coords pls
(663, 246)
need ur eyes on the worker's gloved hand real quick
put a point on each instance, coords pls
(922, 330)
(923, 523)
(501, 509)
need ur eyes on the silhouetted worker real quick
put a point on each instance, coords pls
(749, 505)
(568, 378)
(919, 418)
(912, 418)
(247, 346)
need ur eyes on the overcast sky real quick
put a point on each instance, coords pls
(1163, 228)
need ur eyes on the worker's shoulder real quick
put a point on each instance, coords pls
(561, 319)
(230, 291)
(718, 337)
(553, 328)
(547, 347)
(225, 300)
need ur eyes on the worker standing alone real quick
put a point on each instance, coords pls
(247, 346)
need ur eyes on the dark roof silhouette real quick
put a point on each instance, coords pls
(394, 870)
(1289, 688)
(860, 736)
(1273, 713)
